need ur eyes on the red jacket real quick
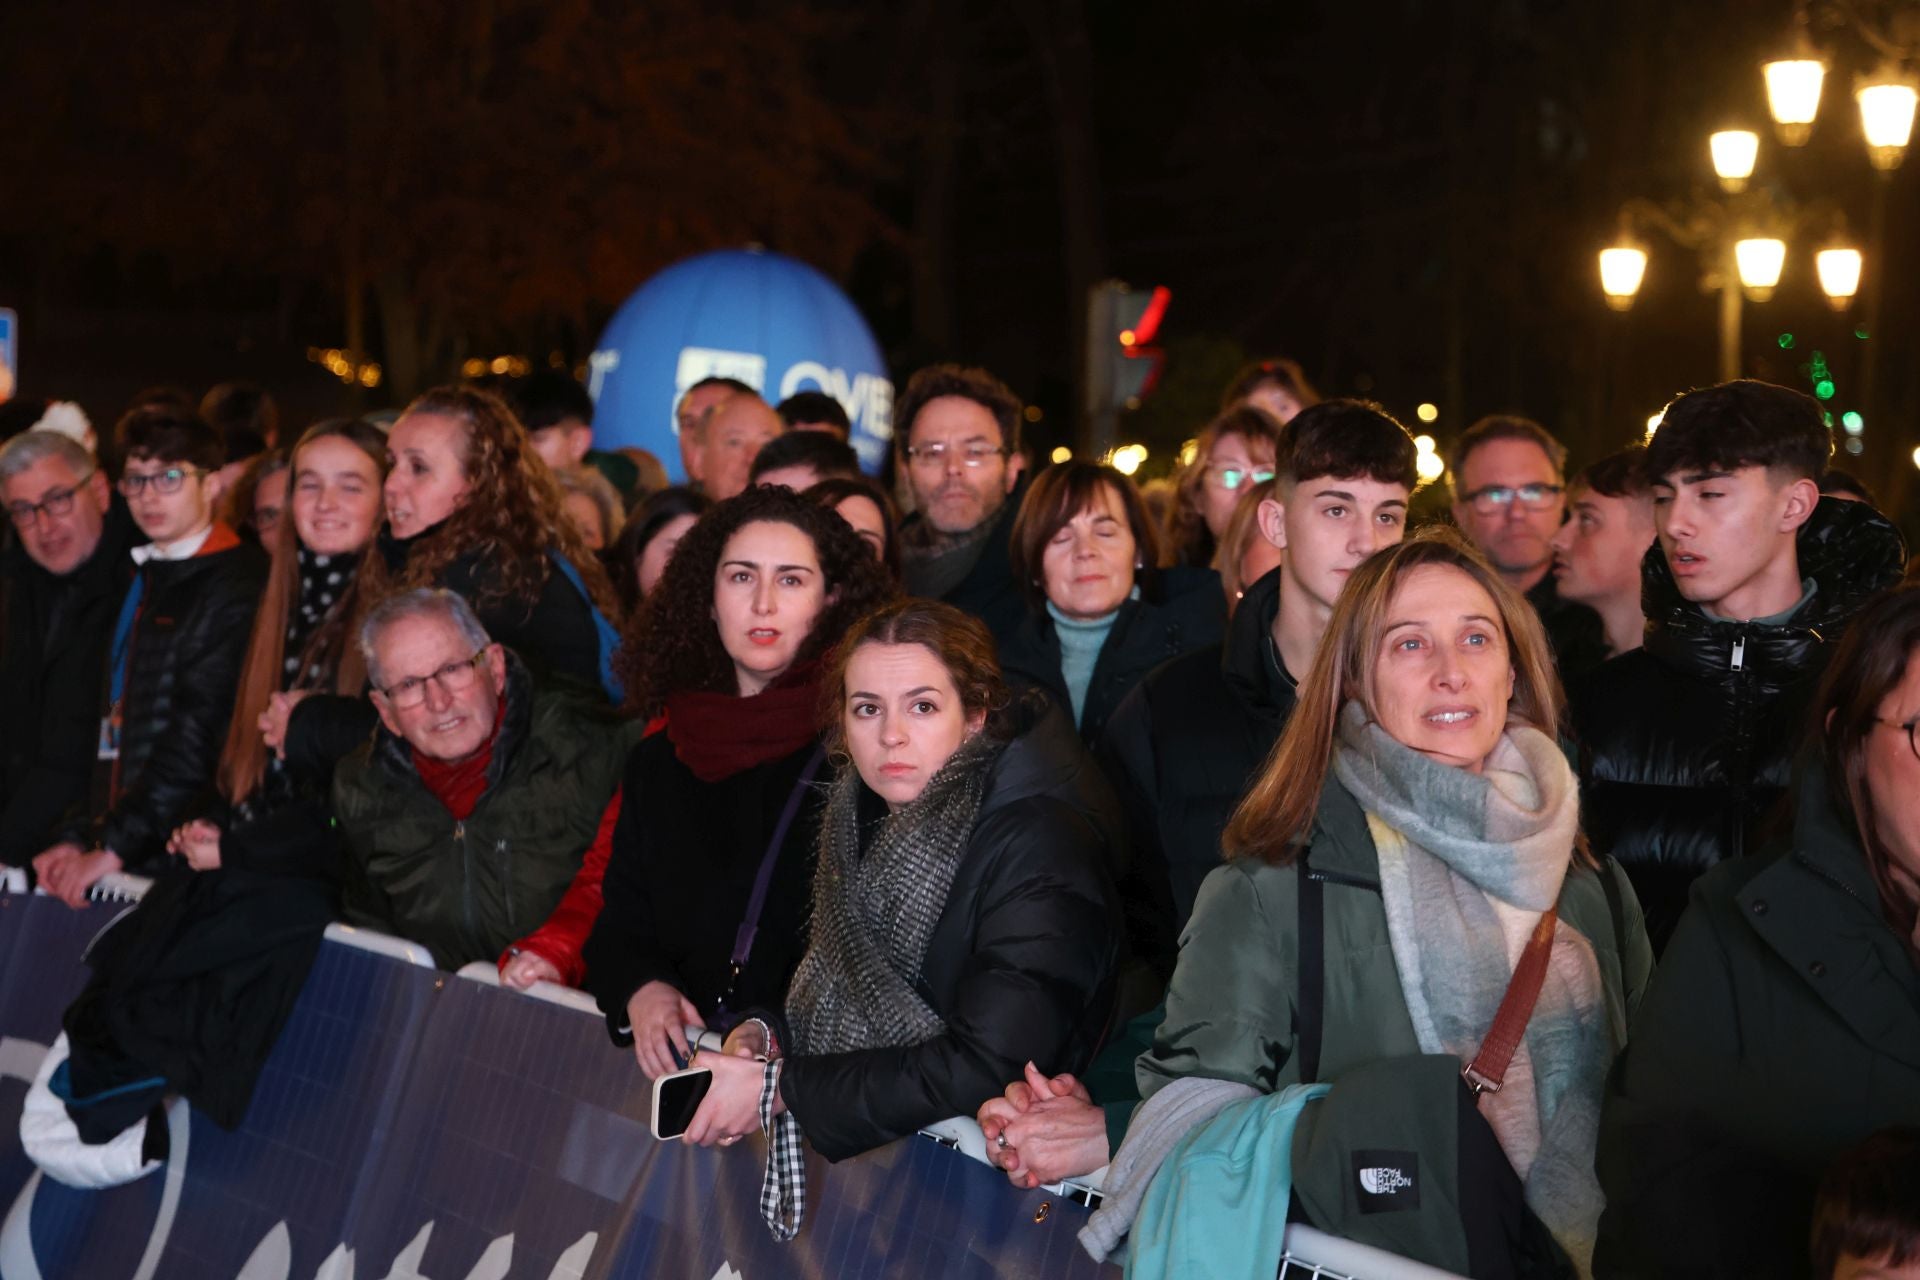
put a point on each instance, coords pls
(562, 937)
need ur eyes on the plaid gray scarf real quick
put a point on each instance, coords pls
(874, 912)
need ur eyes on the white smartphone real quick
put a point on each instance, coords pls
(676, 1096)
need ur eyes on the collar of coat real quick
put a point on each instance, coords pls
(1815, 906)
(395, 757)
(1851, 552)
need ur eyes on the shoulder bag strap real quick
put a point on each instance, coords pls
(743, 937)
(1311, 969)
(1488, 1070)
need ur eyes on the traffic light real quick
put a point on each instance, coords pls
(1122, 361)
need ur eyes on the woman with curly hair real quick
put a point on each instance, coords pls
(471, 508)
(706, 889)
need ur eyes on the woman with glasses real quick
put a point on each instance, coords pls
(1235, 451)
(258, 501)
(706, 889)
(1783, 1025)
(302, 640)
(1101, 614)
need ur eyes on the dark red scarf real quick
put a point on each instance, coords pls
(720, 734)
(459, 784)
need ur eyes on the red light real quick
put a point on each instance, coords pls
(1149, 325)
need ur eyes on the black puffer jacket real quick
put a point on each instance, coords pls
(52, 661)
(1686, 744)
(183, 665)
(1188, 611)
(1182, 750)
(1020, 966)
(988, 591)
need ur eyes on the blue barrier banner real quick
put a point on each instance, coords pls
(416, 1126)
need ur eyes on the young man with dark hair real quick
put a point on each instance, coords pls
(958, 433)
(1687, 742)
(815, 411)
(558, 415)
(1597, 553)
(801, 459)
(1509, 498)
(60, 584)
(1183, 747)
(173, 657)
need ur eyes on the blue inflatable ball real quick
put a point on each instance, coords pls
(769, 321)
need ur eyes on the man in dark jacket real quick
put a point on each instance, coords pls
(62, 579)
(1687, 742)
(173, 659)
(468, 813)
(1184, 746)
(1508, 476)
(959, 440)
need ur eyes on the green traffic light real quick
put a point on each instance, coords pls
(1824, 388)
(1786, 342)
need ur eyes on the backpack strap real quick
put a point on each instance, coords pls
(1312, 970)
(604, 631)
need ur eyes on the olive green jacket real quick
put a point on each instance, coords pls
(1782, 1028)
(469, 889)
(1232, 1007)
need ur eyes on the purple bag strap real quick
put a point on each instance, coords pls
(743, 939)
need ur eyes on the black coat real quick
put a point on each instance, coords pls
(53, 659)
(555, 637)
(187, 645)
(1782, 1028)
(685, 855)
(989, 591)
(1576, 632)
(1020, 965)
(1182, 750)
(1686, 744)
(1189, 612)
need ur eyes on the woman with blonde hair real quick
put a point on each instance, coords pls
(1419, 819)
(1235, 450)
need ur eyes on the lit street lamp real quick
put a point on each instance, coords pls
(1839, 271)
(1759, 262)
(1887, 104)
(1793, 92)
(1734, 152)
(1622, 268)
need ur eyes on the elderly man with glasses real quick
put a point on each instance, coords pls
(478, 800)
(1508, 477)
(60, 582)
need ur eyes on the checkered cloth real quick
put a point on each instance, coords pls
(783, 1191)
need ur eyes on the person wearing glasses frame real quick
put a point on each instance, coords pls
(1792, 974)
(959, 442)
(175, 648)
(1233, 453)
(1508, 476)
(61, 582)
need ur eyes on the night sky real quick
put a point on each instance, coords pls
(1405, 197)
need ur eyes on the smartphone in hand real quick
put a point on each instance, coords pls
(676, 1097)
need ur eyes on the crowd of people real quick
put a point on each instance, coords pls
(1575, 835)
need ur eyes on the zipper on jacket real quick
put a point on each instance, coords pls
(1335, 877)
(466, 875)
(1739, 653)
(504, 852)
(1843, 887)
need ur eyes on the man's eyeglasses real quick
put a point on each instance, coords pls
(933, 457)
(57, 503)
(1908, 728)
(452, 678)
(1231, 478)
(1495, 498)
(168, 481)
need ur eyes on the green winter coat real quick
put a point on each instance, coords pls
(1231, 1007)
(468, 890)
(1782, 1028)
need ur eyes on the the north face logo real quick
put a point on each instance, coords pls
(1387, 1181)
(1383, 1182)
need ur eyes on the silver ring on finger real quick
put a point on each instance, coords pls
(1000, 1140)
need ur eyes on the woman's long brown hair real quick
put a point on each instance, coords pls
(1276, 818)
(1870, 663)
(243, 760)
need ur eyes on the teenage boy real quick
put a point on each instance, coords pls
(1687, 742)
(173, 657)
(558, 415)
(1597, 553)
(1184, 746)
